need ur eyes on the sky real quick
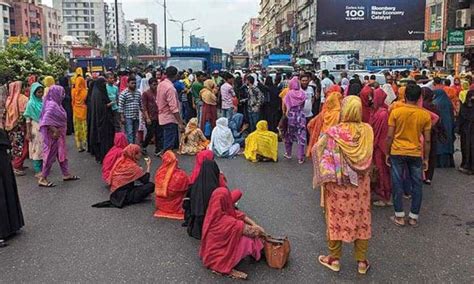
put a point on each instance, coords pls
(220, 20)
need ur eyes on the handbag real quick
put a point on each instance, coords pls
(277, 251)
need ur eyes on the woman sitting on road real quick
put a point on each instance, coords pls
(197, 199)
(193, 140)
(228, 236)
(125, 173)
(200, 158)
(222, 140)
(171, 187)
(261, 145)
(120, 142)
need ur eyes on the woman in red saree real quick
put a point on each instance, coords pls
(200, 158)
(228, 236)
(171, 185)
(379, 123)
(120, 142)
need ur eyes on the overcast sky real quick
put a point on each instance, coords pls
(220, 20)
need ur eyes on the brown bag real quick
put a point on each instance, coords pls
(277, 251)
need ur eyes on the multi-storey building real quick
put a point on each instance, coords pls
(195, 41)
(250, 37)
(82, 17)
(143, 32)
(5, 10)
(52, 38)
(305, 28)
(111, 25)
(26, 19)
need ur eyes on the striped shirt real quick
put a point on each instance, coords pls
(130, 104)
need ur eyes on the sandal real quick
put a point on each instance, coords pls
(330, 262)
(413, 222)
(381, 203)
(301, 162)
(49, 184)
(363, 269)
(234, 274)
(288, 157)
(19, 173)
(397, 221)
(71, 178)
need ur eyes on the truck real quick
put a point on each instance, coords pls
(93, 64)
(276, 59)
(205, 59)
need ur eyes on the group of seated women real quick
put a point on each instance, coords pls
(202, 200)
(227, 138)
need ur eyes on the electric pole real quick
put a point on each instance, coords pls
(117, 32)
(164, 26)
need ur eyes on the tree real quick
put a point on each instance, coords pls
(59, 64)
(94, 40)
(18, 62)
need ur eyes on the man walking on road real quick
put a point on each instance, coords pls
(227, 93)
(168, 110)
(150, 112)
(130, 105)
(406, 124)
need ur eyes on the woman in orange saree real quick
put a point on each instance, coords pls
(342, 158)
(171, 185)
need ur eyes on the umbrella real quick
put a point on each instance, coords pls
(303, 61)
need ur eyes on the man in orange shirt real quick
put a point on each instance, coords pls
(406, 124)
(453, 95)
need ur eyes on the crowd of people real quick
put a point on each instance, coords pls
(370, 143)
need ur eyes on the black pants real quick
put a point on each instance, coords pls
(129, 196)
(154, 130)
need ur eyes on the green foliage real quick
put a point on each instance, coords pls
(94, 40)
(59, 64)
(17, 63)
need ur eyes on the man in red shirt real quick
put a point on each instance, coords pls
(150, 112)
(168, 110)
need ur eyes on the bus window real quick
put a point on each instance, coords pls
(381, 63)
(392, 62)
(374, 63)
(407, 62)
(400, 62)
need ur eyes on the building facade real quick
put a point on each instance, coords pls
(52, 37)
(111, 25)
(26, 19)
(5, 22)
(195, 41)
(82, 17)
(141, 31)
(250, 37)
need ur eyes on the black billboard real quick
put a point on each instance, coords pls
(339, 20)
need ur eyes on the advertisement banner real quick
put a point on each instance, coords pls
(339, 20)
(430, 46)
(469, 38)
(456, 37)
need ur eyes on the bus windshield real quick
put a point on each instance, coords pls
(184, 63)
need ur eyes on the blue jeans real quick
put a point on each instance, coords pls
(414, 171)
(227, 113)
(185, 111)
(131, 128)
(170, 136)
(253, 119)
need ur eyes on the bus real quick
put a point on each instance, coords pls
(401, 63)
(239, 61)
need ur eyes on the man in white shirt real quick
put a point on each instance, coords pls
(325, 84)
(308, 104)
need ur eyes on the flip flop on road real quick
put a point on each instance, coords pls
(330, 262)
(71, 178)
(48, 184)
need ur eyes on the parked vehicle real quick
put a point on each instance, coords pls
(205, 59)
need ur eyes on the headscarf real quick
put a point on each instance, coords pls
(77, 72)
(35, 104)
(346, 149)
(365, 99)
(53, 113)
(48, 81)
(144, 83)
(120, 142)
(165, 173)
(295, 96)
(379, 119)
(126, 169)
(200, 158)
(332, 109)
(221, 233)
(221, 137)
(207, 93)
(262, 142)
(123, 83)
(15, 105)
(79, 96)
(191, 127)
(31, 79)
(201, 190)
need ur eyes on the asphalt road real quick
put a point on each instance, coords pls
(66, 240)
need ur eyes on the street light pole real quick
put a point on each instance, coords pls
(164, 25)
(117, 32)
(182, 27)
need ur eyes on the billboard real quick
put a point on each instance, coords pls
(340, 20)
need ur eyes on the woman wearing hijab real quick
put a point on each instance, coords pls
(445, 149)
(379, 123)
(342, 159)
(466, 130)
(436, 132)
(48, 81)
(129, 184)
(120, 142)
(171, 185)
(262, 144)
(67, 103)
(228, 236)
(53, 126)
(200, 158)
(16, 126)
(209, 107)
(33, 135)
(296, 129)
(11, 216)
(193, 140)
(101, 128)
(199, 193)
(79, 96)
(222, 140)
(272, 108)
(366, 95)
(327, 118)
